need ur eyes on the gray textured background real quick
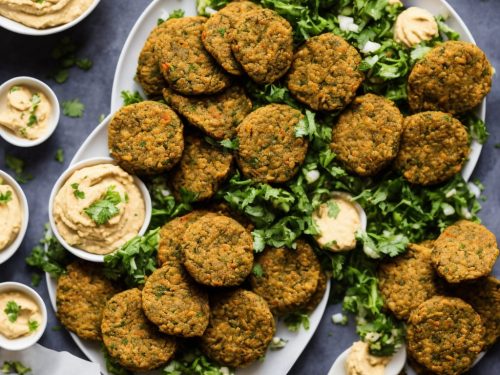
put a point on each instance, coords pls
(101, 37)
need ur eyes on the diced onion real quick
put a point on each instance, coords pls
(347, 24)
(312, 176)
(370, 47)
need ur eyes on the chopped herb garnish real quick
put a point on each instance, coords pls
(12, 310)
(131, 97)
(295, 320)
(257, 270)
(77, 193)
(333, 209)
(17, 166)
(73, 108)
(231, 144)
(102, 116)
(35, 279)
(15, 367)
(84, 64)
(56, 328)
(102, 210)
(14, 88)
(59, 157)
(193, 362)
(5, 197)
(33, 325)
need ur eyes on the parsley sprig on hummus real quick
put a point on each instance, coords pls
(5, 197)
(12, 311)
(102, 210)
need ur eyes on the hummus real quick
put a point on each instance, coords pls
(415, 25)
(90, 221)
(19, 315)
(25, 112)
(10, 215)
(361, 362)
(42, 14)
(337, 221)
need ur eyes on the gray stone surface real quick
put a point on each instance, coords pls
(101, 37)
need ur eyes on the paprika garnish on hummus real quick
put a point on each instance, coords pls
(99, 208)
(43, 14)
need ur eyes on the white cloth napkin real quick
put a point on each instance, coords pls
(43, 361)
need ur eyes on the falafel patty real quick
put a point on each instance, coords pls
(216, 115)
(434, 147)
(130, 337)
(146, 138)
(172, 236)
(81, 296)
(464, 251)
(186, 65)
(262, 42)
(148, 73)
(445, 335)
(202, 169)
(325, 73)
(269, 151)
(216, 34)
(318, 294)
(218, 251)
(289, 279)
(240, 329)
(173, 302)
(453, 77)
(367, 135)
(484, 296)
(407, 281)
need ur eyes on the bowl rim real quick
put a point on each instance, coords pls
(10, 250)
(24, 342)
(82, 254)
(19, 28)
(15, 140)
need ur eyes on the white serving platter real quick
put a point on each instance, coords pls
(276, 362)
(19, 28)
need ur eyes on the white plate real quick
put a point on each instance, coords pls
(276, 362)
(127, 64)
(19, 28)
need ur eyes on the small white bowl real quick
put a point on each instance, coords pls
(6, 253)
(60, 182)
(14, 139)
(394, 367)
(19, 28)
(22, 343)
(348, 197)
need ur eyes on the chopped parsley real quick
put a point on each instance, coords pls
(295, 320)
(12, 310)
(16, 165)
(84, 64)
(76, 192)
(102, 210)
(230, 144)
(33, 325)
(131, 97)
(257, 270)
(15, 367)
(5, 197)
(193, 362)
(64, 55)
(333, 209)
(35, 279)
(177, 13)
(59, 156)
(73, 108)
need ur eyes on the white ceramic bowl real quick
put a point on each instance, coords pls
(394, 367)
(22, 343)
(19, 28)
(60, 182)
(12, 248)
(54, 116)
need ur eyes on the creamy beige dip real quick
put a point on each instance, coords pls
(394, 2)
(84, 188)
(11, 215)
(361, 362)
(26, 112)
(28, 315)
(43, 14)
(337, 221)
(415, 25)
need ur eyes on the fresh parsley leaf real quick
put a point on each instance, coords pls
(295, 320)
(59, 156)
(445, 30)
(33, 325)
(61, 75)
(102, 210)
(476, 127)
(203, 6)
(193, 362)
(134, 260)
(35, 279)
(15, 367)
(76, 192)
(5, 197)
(102, 116)
(12, 310)
(112, 365)
(73, 108)
(257, 270)
(231, 144)
(333, 209)
(56, 328)
(131, 97)
(84, 64)
(64, 48)
(16, 165)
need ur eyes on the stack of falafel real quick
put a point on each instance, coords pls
(203, 289)
(444, 292)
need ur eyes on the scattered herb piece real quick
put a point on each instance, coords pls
(73, 108)
(59, 157)
(102, 116)
(131, 97)
(340, 319)
(295, 320)
(56, 328)
(231, 144)
(35, 279)
(16, 165)
(76, 192)
(84, 64)
(15, 367)
(333, 209)
(33, 325)
(5, 197)
(61, 76)
(257, 270)
(102, 210)
(277, 343)
(193, 362)
(12, 311)
(112, 365)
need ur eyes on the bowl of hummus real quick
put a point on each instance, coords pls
(14, 216)
(43, 17)
(95, 207)
(23, 316)
(29, 111)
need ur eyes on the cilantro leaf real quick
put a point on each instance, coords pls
(193, 362)
(102, 210)
(76, 192)
(61, 75)
(84, 64)
(15, 367)
(295, 320)
(5, 197)
(59, 156)
(12, 310)
(131, 97)
(16, 165)
(333, 209)
(257, 270)
(231, 144)
(73, 108)
(33, 325)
